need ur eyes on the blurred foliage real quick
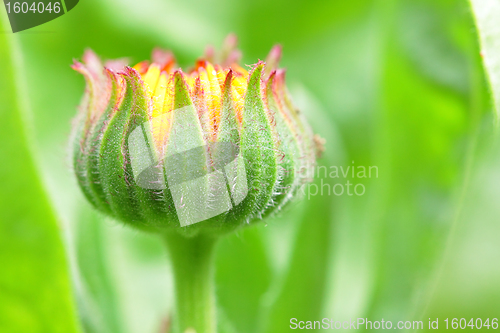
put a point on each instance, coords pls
(486, 14)
(396, 84)
(34, 286)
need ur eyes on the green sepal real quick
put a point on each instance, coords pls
(94, 143)
(288, 151)
(185, 134)
(257, 146)
(115, 178)
(154, 204)
(228, 128)
(84, 123)
(304, 133)
(228, 148)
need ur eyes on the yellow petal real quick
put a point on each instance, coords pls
(161, 117)
(151, 78)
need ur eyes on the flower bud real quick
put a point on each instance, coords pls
(211, 149)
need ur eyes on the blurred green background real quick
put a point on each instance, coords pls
(397, 84)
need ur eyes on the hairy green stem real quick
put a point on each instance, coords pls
(193, 268)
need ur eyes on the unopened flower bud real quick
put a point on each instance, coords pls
(212, 148)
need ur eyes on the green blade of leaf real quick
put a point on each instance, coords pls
(486, 13)
(97, 299)
(303, 291)
(35, 291)
(243, 270)
(427, 135)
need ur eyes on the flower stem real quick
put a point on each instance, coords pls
(193, 268)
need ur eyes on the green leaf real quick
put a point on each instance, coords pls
(243, 270)
(303, 290)
(486, 13)
(97, 299)
(427, 132)
(468, 282)
(35, 290)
